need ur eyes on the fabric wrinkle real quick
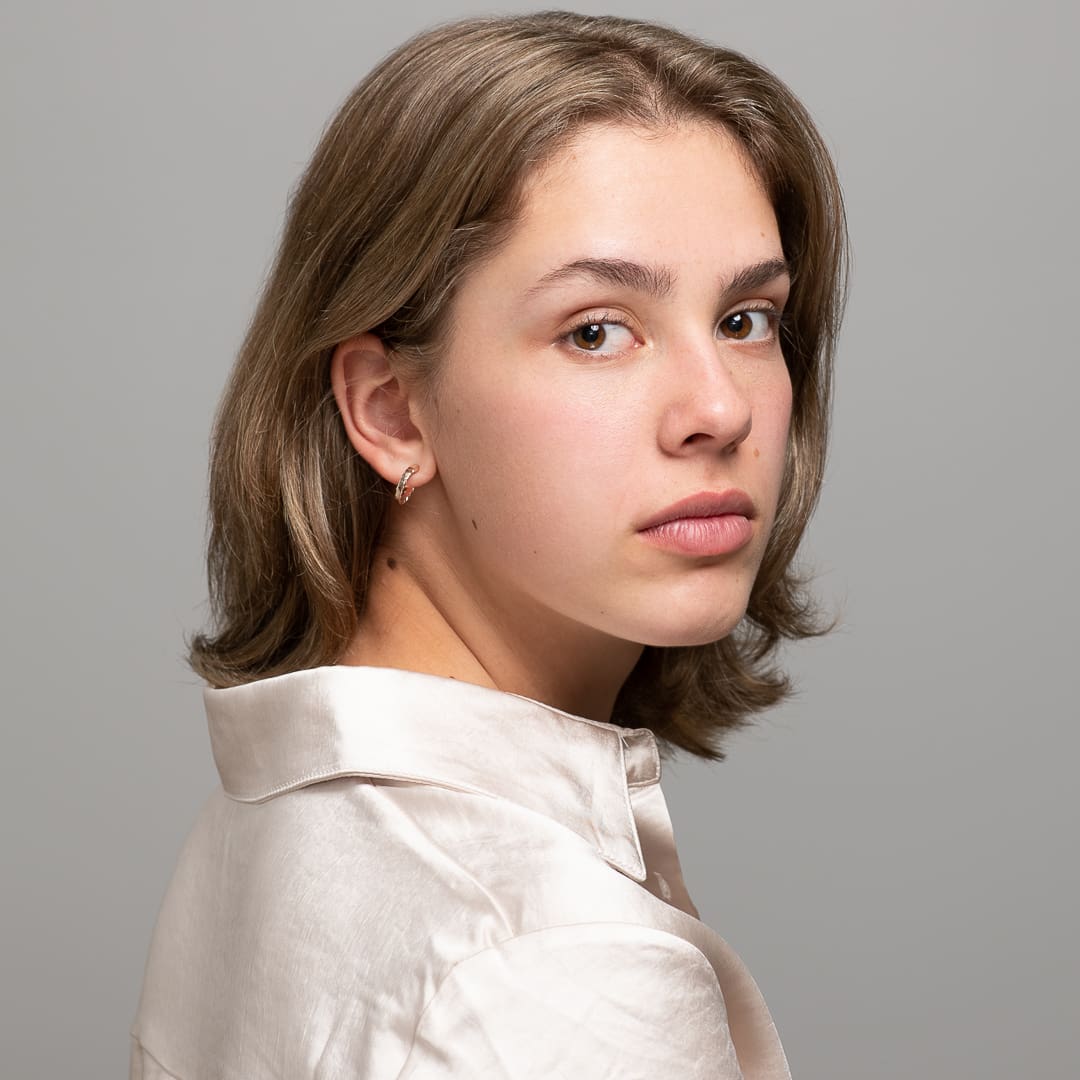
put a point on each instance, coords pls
(408, 876)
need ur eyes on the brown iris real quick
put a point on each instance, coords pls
(591, 336)
(737, 326)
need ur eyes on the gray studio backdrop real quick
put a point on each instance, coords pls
(894, 854)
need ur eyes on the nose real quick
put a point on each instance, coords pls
(706, 406)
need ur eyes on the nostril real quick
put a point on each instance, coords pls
(728, 446)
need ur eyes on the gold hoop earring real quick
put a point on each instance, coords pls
(403, 491)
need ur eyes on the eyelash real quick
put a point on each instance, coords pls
(592, 319)
(777, 319)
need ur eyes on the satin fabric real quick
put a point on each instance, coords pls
(406, 876)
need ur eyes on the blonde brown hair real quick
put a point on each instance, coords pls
(417, 177)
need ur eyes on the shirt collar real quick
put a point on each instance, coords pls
(279, 734)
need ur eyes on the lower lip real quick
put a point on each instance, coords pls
(701, 535)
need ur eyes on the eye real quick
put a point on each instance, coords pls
(753, 325)
(601, 336)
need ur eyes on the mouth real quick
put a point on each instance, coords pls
(706, 504)
(709, 523)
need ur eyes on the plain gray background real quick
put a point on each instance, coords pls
(894, 854)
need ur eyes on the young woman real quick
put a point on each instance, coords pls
(506, 486)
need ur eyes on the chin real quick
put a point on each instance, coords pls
(704, 631)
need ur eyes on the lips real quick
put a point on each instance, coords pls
(703, 526)
(706, 504)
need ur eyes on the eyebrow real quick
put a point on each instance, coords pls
(757, 274)
(657, 281)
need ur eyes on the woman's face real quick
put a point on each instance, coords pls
(617, 356)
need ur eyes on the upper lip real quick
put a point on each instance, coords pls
(705, 504)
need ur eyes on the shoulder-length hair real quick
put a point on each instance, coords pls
(417, 177)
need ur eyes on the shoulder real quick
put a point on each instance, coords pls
(418, 849)
(464, 866)
(598, 998)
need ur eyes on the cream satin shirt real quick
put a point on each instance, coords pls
(406, 876)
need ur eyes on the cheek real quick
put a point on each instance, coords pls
(779, 410)
(769, 435)
(537, 456)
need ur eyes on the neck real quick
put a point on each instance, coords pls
(420, 618)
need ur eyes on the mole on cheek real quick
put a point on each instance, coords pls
(757, 452)
(392, 563)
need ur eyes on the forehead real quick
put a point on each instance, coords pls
(685, 195)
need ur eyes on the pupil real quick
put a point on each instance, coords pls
(591, 335)
(739, 325)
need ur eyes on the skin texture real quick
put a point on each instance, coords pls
(518, 562)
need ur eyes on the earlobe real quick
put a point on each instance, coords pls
(375, 409)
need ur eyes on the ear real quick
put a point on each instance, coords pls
(375, 407)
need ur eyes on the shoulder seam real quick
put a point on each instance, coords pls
(139, 1043)
(597, 923)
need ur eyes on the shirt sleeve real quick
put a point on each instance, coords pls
(585, 1002)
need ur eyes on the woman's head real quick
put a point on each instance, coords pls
(436, 189)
